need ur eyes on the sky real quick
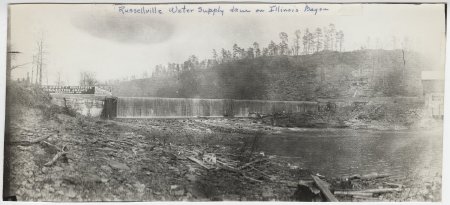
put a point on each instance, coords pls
(101, 39)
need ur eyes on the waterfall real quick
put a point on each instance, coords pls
(154, 107)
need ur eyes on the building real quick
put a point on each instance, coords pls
(433, 92)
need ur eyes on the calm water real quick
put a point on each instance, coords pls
(338, 152)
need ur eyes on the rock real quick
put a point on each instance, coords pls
(28, 174)
(139, 187)
(105, 168)
(191, 169)
(191, 177)
(231, 197)
(57, 168)
(57, 183)
(118, 165)
(71, 193)
(179, 192)
(38, 179)
(93, 178)
(104, 180)
(267, 192)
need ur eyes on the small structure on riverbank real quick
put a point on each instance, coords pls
(86, 100)
(433, 92)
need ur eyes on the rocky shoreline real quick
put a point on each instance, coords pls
(54, 154)
(159, 160)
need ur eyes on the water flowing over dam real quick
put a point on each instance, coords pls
(154, 107)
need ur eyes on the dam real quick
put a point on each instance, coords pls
(155, 107)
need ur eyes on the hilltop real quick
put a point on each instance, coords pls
(326, 74)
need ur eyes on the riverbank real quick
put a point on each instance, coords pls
(53, 154)
(388, 114)
(148, 160)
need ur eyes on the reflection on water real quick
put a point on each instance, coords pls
(338, 152)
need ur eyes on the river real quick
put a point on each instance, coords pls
(343, 152)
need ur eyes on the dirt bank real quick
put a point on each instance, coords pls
(148, 160)
(385, 115)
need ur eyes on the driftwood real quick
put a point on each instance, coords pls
(231, 169)
(324, 189)
(40, 139)
(31, 142)
(374, 176)
(262, 173)
(366, 198)
(199, 162)
(368, 176)
(393, 184)
(289, 183)
(381, 191)
(252, 162)
(353, 193)
(56, 157)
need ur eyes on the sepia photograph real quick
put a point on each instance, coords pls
(310, 102)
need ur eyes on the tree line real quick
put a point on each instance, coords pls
(305, 42)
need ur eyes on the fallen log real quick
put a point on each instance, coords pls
(56, 157)
(250, 163)
(366, 198)
(40, 139)
(393, 184)
(289, 183)
(251, 179)
(381, 191)
(231, 169)
(199, 162)
(352, 193)
(262, 173)
(31, 142)
(368, 176)
(324, 190)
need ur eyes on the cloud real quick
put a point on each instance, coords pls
(125, 29)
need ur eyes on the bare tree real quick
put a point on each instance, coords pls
(236, 52)
(332, 35)
(87, 79)
(339, 40)
(215, 56)
(59, 81)
(318, 37)
(326, 40)
(40, 58)
(272, 49)
(306, 42)
(256, 49)
(9, 66)
(283, 45)
(297, 42)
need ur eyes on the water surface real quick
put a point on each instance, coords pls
(339, 152)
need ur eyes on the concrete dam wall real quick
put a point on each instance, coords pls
(153, 107)
(85, 104)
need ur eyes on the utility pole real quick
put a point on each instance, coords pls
(40, 63)
(8, 48)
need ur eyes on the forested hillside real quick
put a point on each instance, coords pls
(325, 74)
